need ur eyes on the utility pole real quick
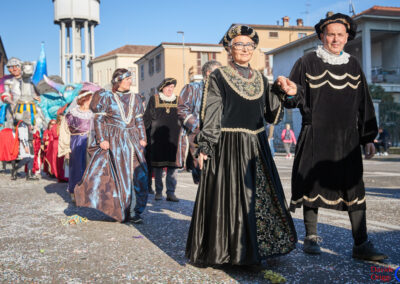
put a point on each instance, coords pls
(183, 56)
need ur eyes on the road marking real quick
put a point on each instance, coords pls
(375, 224)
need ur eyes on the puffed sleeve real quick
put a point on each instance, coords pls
(185, 108)
(139, 117)
(273, 104)
(149, 114)
(98, 106)
(64, 138)
(211, 114)
(367, 125)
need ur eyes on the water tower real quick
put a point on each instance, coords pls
(77, 19)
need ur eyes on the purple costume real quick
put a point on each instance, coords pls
(79, 124)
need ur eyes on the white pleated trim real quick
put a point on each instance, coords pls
(331, 58)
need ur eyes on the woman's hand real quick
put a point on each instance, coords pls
(66, 157)
(105, 145)
(142, 143)
(202, 157)
(289, 87)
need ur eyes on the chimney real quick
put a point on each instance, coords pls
(285, 21)
(299, 22)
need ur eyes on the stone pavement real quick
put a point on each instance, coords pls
(36, 247)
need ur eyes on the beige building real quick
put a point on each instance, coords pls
(273, 36)
(104, 65)
(167, 59)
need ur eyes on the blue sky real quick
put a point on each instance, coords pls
(26, 23)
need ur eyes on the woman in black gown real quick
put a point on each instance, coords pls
(240, 216)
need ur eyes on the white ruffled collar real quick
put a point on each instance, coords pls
(330, 58)
(167, 99)
(81, 114)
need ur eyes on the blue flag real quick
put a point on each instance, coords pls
(41, 66)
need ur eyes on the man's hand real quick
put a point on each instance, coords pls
(27, 150)
(369, 150)
(202, 157)
(142, 143)
(289, 87)
(105, 145)
(66, 157)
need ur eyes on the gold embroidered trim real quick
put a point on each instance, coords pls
(338, 87)
(164, 104)
(344, 22)
(250, 89)
(203, 106)
(100, 113)
(334, 76)
(254, 132)
(329, 202)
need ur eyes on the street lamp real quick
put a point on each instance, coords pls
(183, 55)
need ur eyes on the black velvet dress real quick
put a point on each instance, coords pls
(240, 214)
(337, 117)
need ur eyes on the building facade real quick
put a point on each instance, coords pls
(104, 65)
(273, 36)
(182, 62)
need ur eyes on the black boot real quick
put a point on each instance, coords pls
(366, 251)
(13, 172)
(31, 176)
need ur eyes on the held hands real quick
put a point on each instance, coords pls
(369, 150)
(289, 87)
(142, 143)
(105, 145)
(202, 157)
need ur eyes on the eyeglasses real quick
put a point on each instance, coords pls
(241, 46)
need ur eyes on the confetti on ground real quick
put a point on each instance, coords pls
(41, 251)
(274, 277)
(138, 237)
(74, 220)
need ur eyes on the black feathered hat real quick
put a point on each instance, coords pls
(240, 30)
(166, 82)
(348, 22)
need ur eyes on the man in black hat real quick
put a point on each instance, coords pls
(167, 143)
(337, 117)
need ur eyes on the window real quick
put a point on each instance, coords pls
(142, 72)
(268, 65)
(133, 72)
(151, 66)
(273, 34)
(302, 35)
(203, 57)
(158, 63)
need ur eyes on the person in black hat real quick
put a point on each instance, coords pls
(240, 215)
(167, 143)
(337, 118)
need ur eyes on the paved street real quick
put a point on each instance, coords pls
(35, 245)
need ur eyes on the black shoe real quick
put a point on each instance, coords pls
(151, 191)
(136, 219)
(158, 196)
(172, 197)
(31, 176)
(366, 251)
(311, 244)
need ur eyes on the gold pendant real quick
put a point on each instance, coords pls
(167, 110)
